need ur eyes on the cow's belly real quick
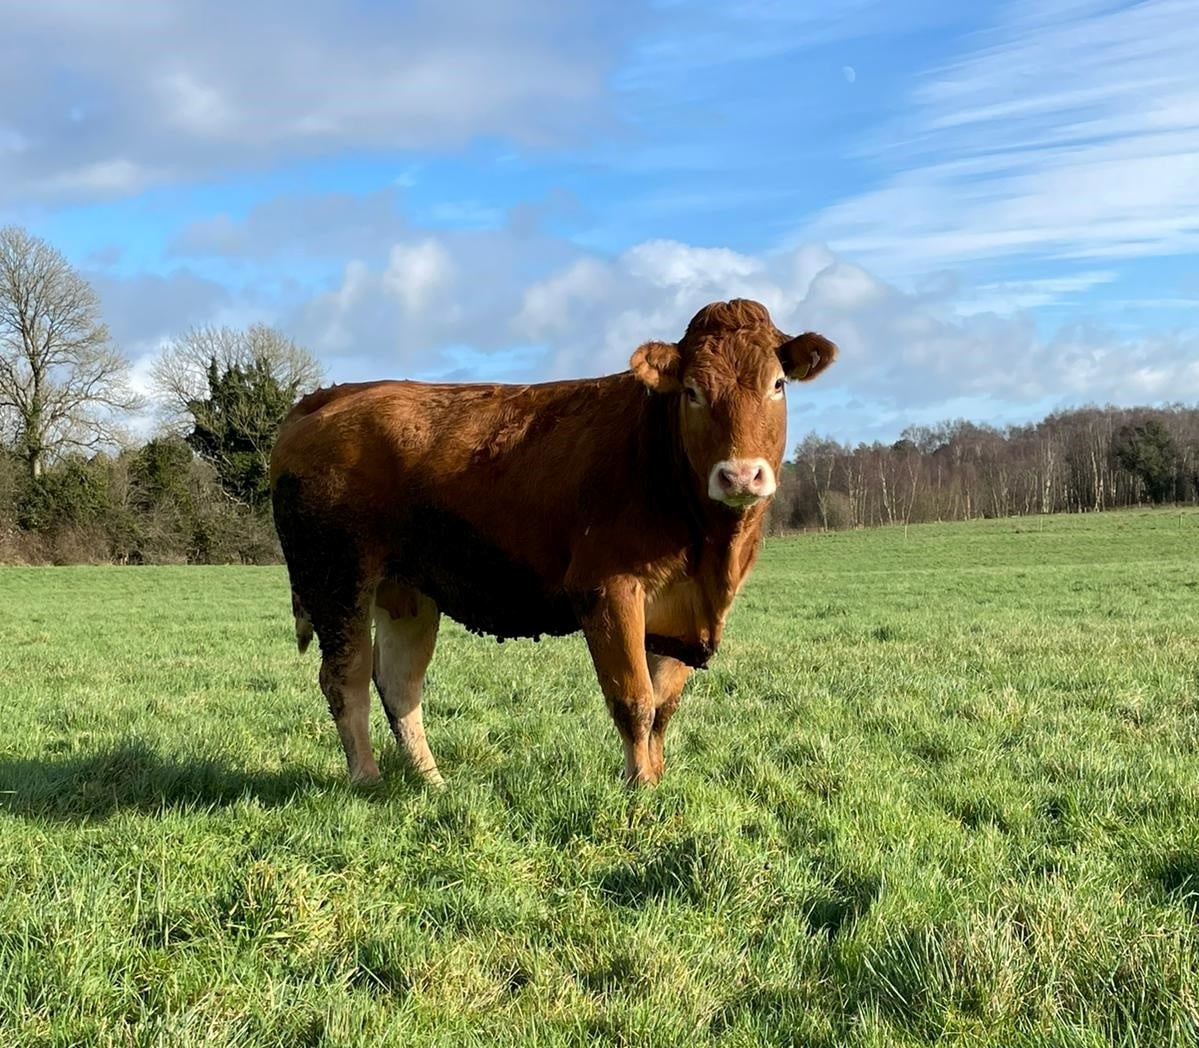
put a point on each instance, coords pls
(475, 582)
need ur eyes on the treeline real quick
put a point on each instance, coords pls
(157, 504)
(1079, 461)
(196, 492)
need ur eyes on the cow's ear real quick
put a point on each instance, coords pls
(805, 356)
(659, 365)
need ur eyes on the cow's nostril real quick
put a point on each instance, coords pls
(758, 475)
(726, 477)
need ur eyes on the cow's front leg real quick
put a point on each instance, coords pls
(615, 632)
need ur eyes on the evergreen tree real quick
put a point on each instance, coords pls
(234, 426)
(1147, 451)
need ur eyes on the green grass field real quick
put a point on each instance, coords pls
(941, 789)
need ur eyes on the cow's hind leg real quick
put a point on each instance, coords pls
(405, 633)
(330, 596)
(669, 677)
(346, 681)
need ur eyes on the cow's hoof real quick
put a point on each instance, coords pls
(366, 780)
(647, 777)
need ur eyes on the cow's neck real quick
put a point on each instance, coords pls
(730, 542)
(717, 548)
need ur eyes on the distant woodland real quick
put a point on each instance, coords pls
(1080, 461)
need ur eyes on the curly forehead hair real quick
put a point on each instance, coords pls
(720, 318)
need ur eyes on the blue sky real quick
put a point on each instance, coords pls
(993, 207)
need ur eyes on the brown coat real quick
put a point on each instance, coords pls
(544, 509)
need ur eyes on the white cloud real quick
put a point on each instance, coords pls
(299, 225)
(550, 307)
(417, 273)
(356, 284)
(104, 102)
(1071, 130)
(101, 177)
(666, 263)
(195, 107)
(846, 287)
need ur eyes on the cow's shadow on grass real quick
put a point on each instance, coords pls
(1178, 875)
(132, 776)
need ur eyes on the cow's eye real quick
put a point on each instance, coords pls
(692, 394)
(780, 385)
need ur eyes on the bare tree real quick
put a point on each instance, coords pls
(181, 372)
(62, 384)
(818, 458)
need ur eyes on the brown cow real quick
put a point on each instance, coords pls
(629, 507)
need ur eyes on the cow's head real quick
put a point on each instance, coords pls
(728, 376)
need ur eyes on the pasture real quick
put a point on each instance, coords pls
(935, 789)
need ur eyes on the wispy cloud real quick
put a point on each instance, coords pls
(1008, 296)
(1069, 131)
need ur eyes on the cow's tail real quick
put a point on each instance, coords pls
(303, 623)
